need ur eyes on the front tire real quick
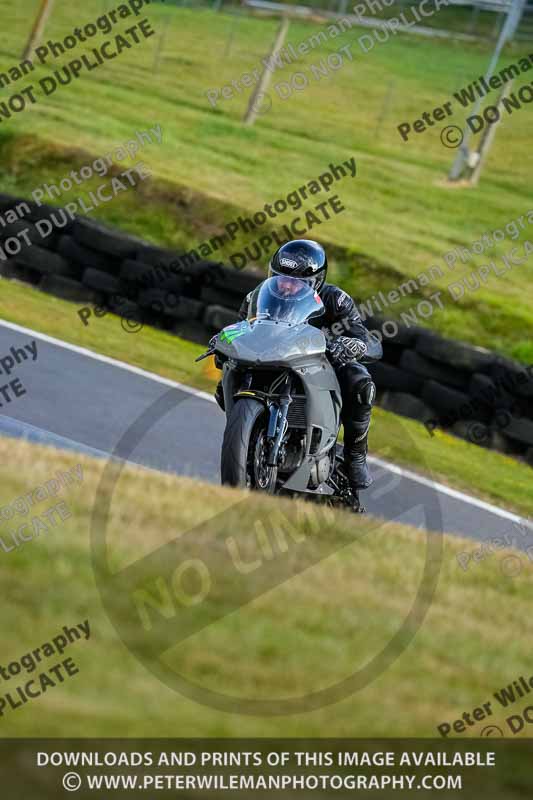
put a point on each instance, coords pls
(242, 462)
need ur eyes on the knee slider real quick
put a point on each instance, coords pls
(367, 393)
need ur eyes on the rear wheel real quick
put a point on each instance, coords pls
(244, 449)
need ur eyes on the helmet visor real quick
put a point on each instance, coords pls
(314, 281)
(284, 299)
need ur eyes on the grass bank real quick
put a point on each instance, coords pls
(400, 218)
(321, 608)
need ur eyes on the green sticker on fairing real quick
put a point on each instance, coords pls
(233, 332)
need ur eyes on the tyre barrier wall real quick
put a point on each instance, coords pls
(472, 392)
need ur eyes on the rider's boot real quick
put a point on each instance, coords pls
(355, 452)
(358, 396)
(357, 471)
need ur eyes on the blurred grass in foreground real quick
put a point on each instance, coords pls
(307, 633)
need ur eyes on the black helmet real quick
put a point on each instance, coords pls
(301, 258)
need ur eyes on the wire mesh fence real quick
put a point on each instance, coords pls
(482, 18)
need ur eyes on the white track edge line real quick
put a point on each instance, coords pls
(457, 495)
(440, 487)
(108, 360)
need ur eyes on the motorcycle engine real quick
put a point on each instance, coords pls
(291, 455)
(320, 471)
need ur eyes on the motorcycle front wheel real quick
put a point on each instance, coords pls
(244, 448)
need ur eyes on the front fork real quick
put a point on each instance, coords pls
(277, 423)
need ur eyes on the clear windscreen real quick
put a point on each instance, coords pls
(284, 299)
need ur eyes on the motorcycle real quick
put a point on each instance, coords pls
(282, 398)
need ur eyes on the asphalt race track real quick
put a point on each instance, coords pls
(80, 400)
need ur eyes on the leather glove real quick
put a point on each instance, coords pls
(343, 350)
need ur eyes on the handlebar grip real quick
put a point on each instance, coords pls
(204, 355)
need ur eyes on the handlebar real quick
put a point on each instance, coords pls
(204, 355)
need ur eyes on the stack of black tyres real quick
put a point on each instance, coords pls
(471, 391)
(438, 381)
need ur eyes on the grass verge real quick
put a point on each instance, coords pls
(319, 610)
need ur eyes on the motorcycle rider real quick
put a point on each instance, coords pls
(348, 343)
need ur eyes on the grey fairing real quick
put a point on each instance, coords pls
(300, 348)
(275, 344)
(323, 395)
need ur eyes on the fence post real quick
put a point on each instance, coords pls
(38, 27)
(264, 80)
(385, 108)
(514, 15)
(488, 137)
(160, 45)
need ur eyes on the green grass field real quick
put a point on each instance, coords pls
(301, 635)
(400, 217)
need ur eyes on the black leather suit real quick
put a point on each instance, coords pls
(341, 318)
